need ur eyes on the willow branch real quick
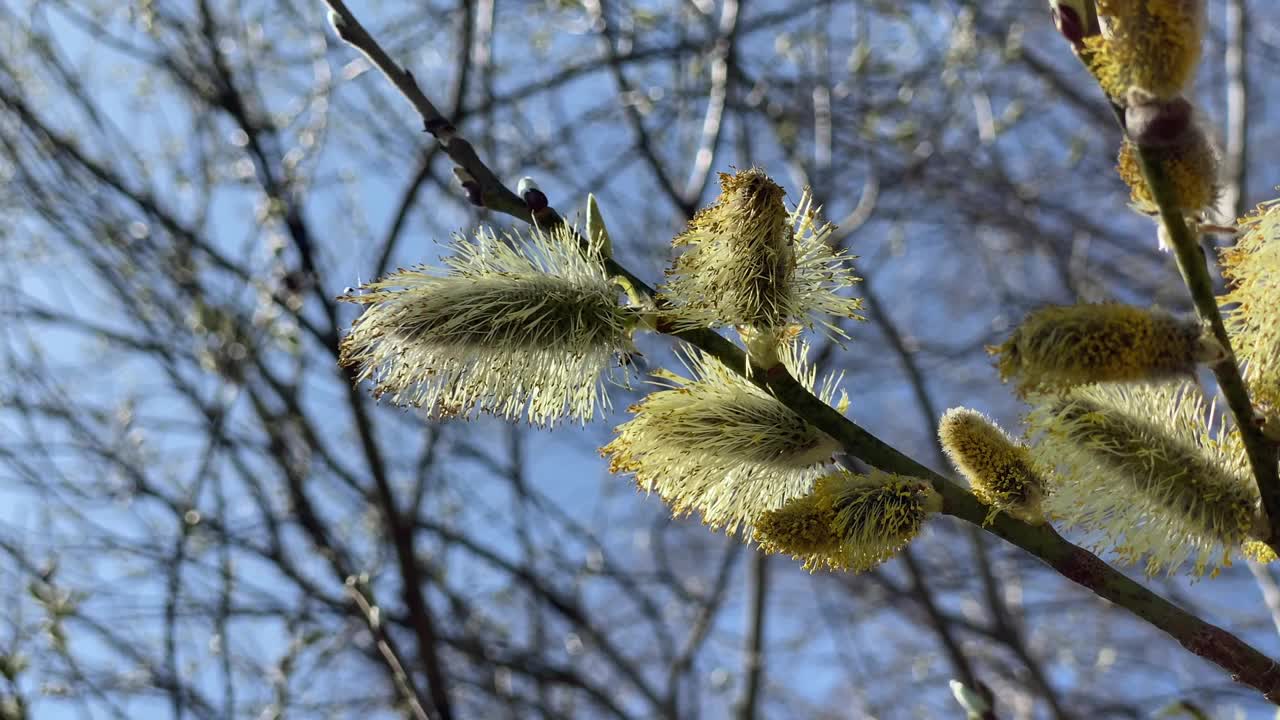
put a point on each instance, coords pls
(1244, 663)
(489, 191)
(1195, 271)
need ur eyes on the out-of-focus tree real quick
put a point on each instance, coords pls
(201, 515)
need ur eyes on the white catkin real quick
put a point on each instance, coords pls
(521, 327)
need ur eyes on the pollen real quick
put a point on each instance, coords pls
(1191, 164)
(1059, 347)
(1259, 552)
(803, 528)
(1000, 471)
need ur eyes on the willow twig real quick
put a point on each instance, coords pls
(1195, 271)
(1245, 664)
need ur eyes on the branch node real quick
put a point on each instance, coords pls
(442, 129)
(475, 195)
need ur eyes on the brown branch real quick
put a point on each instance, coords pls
(492, 193)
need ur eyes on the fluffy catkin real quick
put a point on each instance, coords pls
(1000, 471)
(718, 445)
(515, 326)
(1060, 347)
(1148, 50)
(1191, 164)
(850, 522)
(747, 261)
(1137, 467)
(1252, 302)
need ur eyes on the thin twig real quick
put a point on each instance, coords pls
(717, 96)
(753, 652)
(373, 620)
(1235, 162)
(493, 194)
(599, 18)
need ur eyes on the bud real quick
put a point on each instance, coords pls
(1059, 347)
(850, 522)
(519, 327)
(533, 197)
(719, 445)
(1138, 467)
(1148, 49)
(596, 230)
(749, 262)
(1000, 471)
(975, 705)
(1075, 19)
(1191, 163)
(1159, 123)
(1252, 270)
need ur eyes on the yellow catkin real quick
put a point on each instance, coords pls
(746, 283)
(1252, 303)
(1000, 471)
(1148, 49)
(717, 445)
(747, 261)
(1060, 347)
(850, 522)
(1138, 467)
(804, 527)
(1191, 165)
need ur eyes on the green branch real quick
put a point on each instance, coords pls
(1195, 271)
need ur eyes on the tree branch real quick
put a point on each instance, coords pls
(1195, 271)
(1245, 664)
(753, 654)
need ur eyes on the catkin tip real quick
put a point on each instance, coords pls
(748, 262)
(1148, 50)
